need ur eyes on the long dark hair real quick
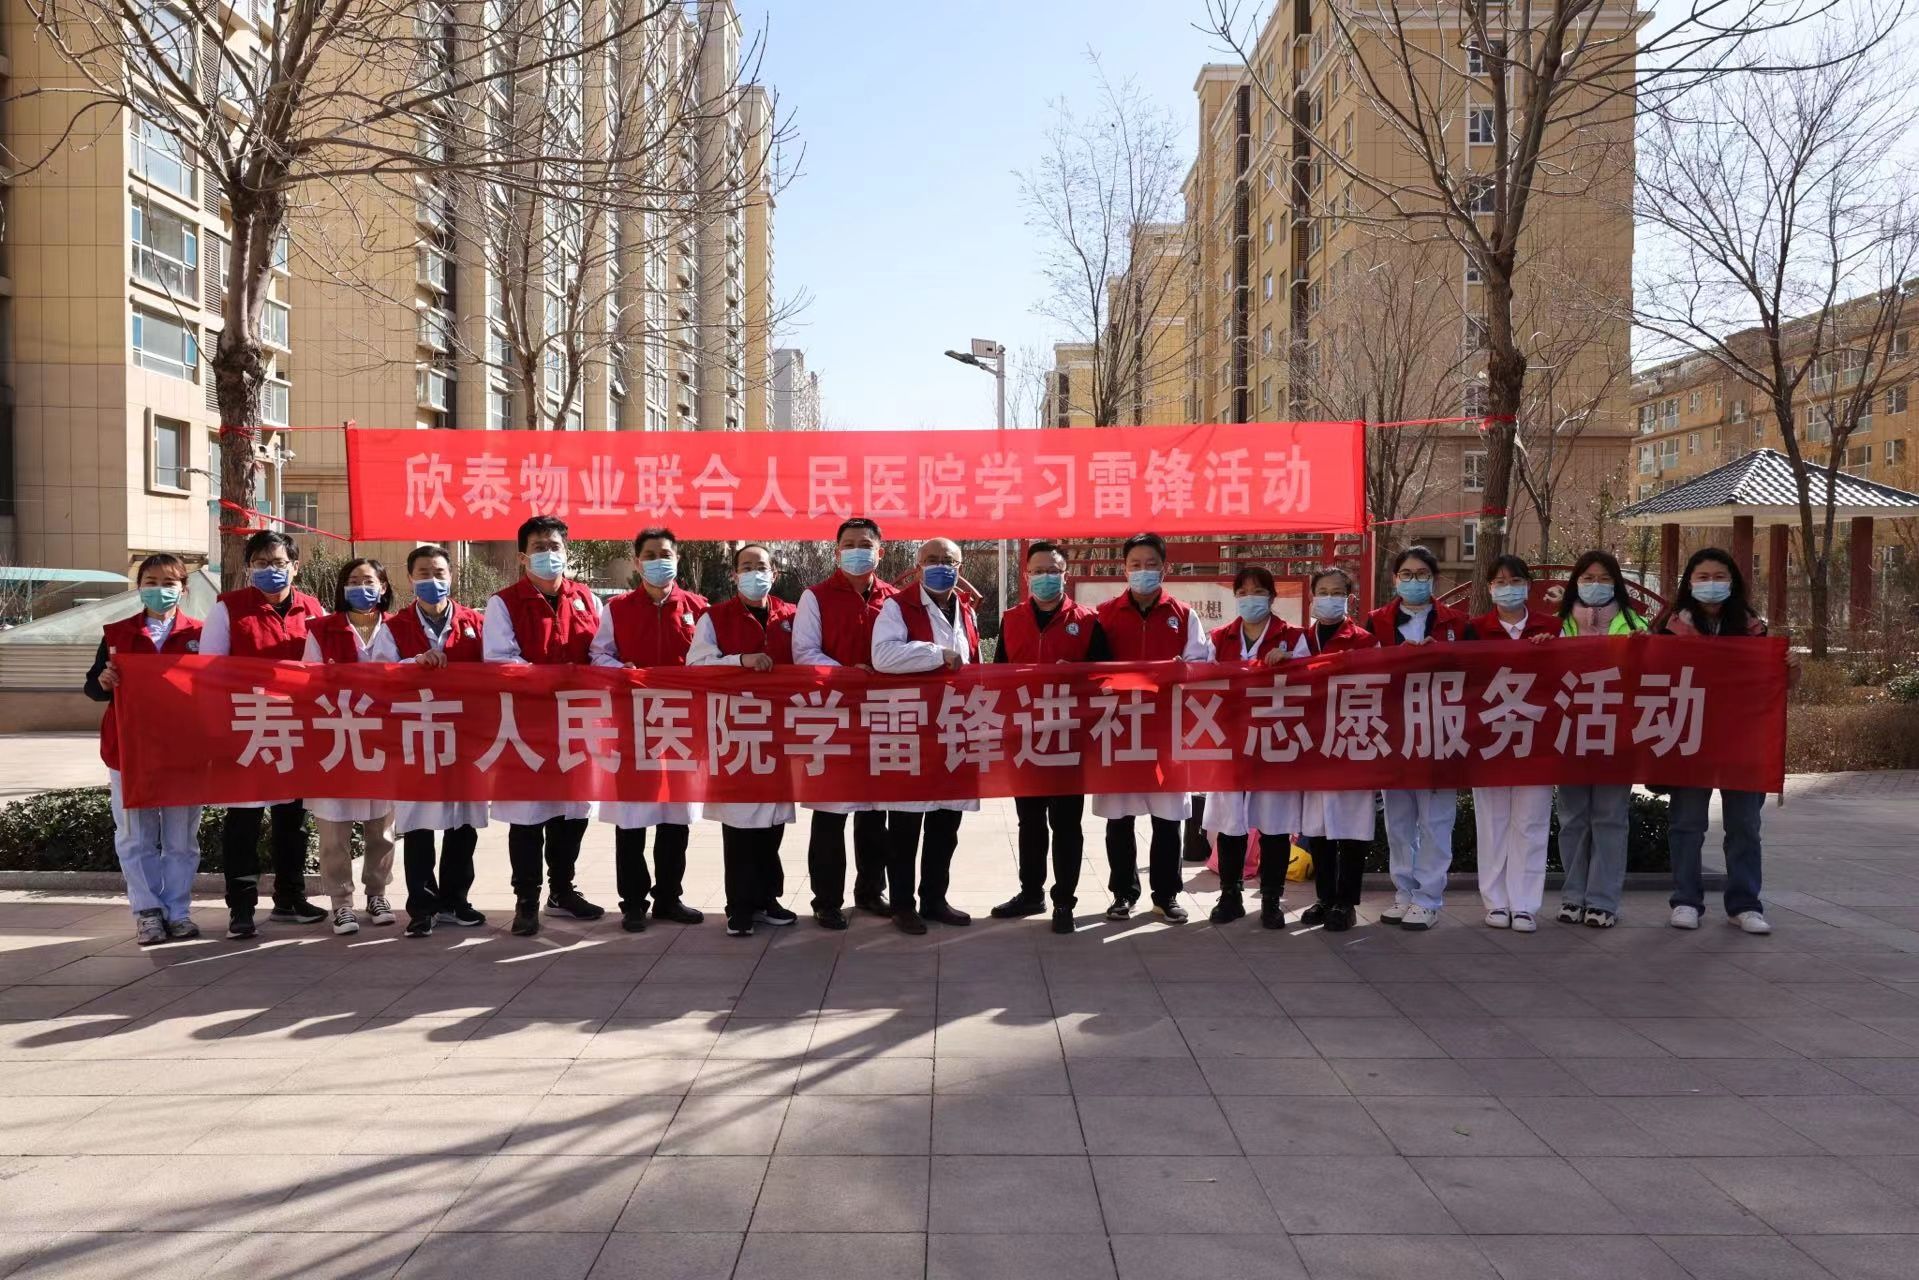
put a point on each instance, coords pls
(1734, 615)
(346, 571)
(1605, 560)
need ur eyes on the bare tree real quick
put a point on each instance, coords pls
(1549, 90)
(1107, 198)
(502, 110)
(1786, 245)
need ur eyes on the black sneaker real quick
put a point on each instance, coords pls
(1063, 920)
(633, 921)
(676, 912)
(1272, 913)
(182, 930)
(1316, 914)
(240, 925)
(941, 913)
(1230, 907)
(569, 903)
(872, 902)
(908, 921)
(420, 927)
(1019, 906)
(830, 918)
(526, 918)
(739, 927)
(1122, 909)
(1172, 910)
(463, 915)
(1340, 919)
(298, 911)
(774, 913)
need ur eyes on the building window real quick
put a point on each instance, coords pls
(1472, 471)
(1646, 464)
(273, 324)
(1738, 413)
(1266, 287)
(1266, 341)
(282, 246)
(1692, 442)
(1692, 403)
(165, 346)
(436, 330)
(1645, 419)
(160, 156)
(1266, 231)
(433, 387)
(434, 269)
(166, 251)
(167, 450)
(301, 508)
(499, 409)
(1468, 539)
(1475, 61)
(1481, 195)
(1479, 125)
(1473, 274)
(276, 402)
(1859, 455)
(1902, 342)
(1265, 393)
(1895, 452)
(1896, 399)
(1473, 403)
(1477, 337)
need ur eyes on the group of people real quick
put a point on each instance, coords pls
(902, 851)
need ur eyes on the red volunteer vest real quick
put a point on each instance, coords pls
(464, 632)
(1447, 624)
(846, 618)
(334, 635)
(1161, 634)
(1067, 638)
(919, 621)
(1227, 641)
(256, 629)
(1487, 626)
(1349, 636)
(737, 631)
(129, 635)
(548, 635)
(655, 635)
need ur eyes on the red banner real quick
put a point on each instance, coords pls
(477, 485)
(1693, 712)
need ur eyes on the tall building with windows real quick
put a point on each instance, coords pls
(796, 392)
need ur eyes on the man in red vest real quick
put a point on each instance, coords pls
(1144, 624)
(1048, 626)
(651, 627)
(545, 619)
(265, 619)
(834, 628)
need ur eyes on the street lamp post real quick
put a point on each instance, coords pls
(990, 357)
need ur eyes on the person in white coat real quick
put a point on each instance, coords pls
(1338, 825)
(928, 628)
(356, 631)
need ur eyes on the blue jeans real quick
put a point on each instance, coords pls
(1592, 845)
(1419, 832)
(1739, 812)
(159, 851)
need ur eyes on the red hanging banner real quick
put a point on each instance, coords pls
(1688, 712)
(479, 485)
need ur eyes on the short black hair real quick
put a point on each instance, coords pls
(162, 560)
(346, 570)
(1331, 570)
(748, 546)
(1511, 564)
(1045, 546)
(1152, 540)
(859, 522)
(265, 539)
(426, 551)
(1255, 573)
(541, 524)
(651, 532)
(1419, 553)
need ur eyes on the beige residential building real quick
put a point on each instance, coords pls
(1065, 401)
(796, 392)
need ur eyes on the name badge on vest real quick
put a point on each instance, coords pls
(1173, 622)
(579, 604)
(467, 631)
(786, 624)
(1072, 628)
(193, 646)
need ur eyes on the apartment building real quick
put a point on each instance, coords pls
(796, 392)
(115, 265)
(1067, 398)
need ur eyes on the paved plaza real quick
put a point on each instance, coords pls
(1136, 1101)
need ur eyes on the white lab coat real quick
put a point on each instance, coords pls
(1512, 825)
(706, 653)
(500, 644)
(895, 654)
(632, 813)
(808, 653)
(379, 649)
(436, 815)
(1336, 815)
(216, 641)
(1172, 806)
(1235, 813)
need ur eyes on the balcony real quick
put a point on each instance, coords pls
(164, 272)
(434, 389)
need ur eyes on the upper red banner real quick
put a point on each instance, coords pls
(1305, 477)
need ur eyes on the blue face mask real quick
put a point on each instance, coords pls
(1144, 581)
(1329, 609)
(657, 573)
(431, 591)
(940, 577)
(547, 565)
(1595, 594)
(1511, 596)
(755, 583)
(271, 581)
(1046, 586)
(858, 560)
(159, 599)
(1253, 608)
(1712, 592)
(363, 599)
(1415, 591)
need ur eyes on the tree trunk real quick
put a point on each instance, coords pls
(1505, 385)
(239, 373)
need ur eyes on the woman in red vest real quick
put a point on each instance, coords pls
(356, 631)
(435, 630)
(752, 631)
(651, 626)
(1048, 626)
(267, 618)
(1256, 638)
(1339, 824)
(159, 849)
(545, 619)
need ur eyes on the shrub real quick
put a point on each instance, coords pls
(1823, 684)
(1646, 848)
(1904, 688)
(1880, 735)
(73, 831)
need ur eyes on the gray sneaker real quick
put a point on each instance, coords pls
(150, 927)
(183, 929)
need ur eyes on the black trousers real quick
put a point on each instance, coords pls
(425, 895)
(1162, 858)
(558, 841)
(1196, 843)
(240, 855)
(629, 865)
(826, 858)
(754, 876)
(1339, 867)
(903, 831)
(1062, 815)
(1275, 852)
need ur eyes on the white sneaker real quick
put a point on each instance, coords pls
(1523, 923)
(1418, 918)
(1498, 918)
(1395, 914)
(1685, 917)
(344, 921)
(1751, 922)
(378, 909)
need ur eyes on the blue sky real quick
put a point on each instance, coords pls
(904, 225)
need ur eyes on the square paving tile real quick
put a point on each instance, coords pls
(545, 1193)
(1291, 1126)
(996, 1257)
(1749, 1258)
(1577, 1258)
(1351, 1195)
(1453, 1127)
(684, 1255)
(853, 1126)
(694, 1193)
(492, 1256)
(1861, 1257)
(773, 1255)
(1126, 1126)
(1156, 1195)
(1252, 1077)
(1391, 1257)
(1019, 1076)
(1813, 1195)
(1512, 1195)
(1369, 1038)
(1014, 1194)
(852, 1194)
(724, 1125)
(1005, 1124)
(1667, 1197)
(1156, 1257)
(1715, 1127)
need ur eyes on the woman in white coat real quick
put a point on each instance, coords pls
(1339, 825)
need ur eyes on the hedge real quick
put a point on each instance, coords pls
(73, 831)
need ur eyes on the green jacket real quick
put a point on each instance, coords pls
(1624, 623)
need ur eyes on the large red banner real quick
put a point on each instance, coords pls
(1692, 712)
(1245, 478)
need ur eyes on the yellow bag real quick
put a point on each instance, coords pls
(1300, 866)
